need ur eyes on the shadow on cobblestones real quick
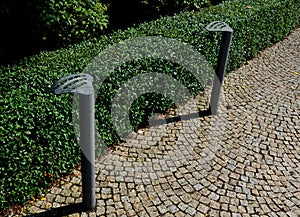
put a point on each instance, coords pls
(62, 211)
(178, 118)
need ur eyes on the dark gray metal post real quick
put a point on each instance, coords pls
(87, 143)
(222, 62)
(82, 84)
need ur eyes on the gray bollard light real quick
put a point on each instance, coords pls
(82, 84)
(227, 31)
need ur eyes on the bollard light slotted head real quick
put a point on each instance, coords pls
(76, 83)
(218, 26)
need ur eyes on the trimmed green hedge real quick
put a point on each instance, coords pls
(36, 131)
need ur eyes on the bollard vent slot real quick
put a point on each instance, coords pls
(218, 26)
(77, 83)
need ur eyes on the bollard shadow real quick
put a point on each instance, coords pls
(195, 115)
(62, 211)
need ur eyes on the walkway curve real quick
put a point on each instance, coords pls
(243, 162)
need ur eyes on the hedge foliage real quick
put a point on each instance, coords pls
(36, 131)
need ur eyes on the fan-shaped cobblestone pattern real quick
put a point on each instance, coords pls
(243, 162)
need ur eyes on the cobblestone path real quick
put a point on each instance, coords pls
(243, 162)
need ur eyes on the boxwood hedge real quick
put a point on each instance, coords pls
(36, 132)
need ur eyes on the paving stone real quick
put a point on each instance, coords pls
(225, 214)
(162, 209)
(173, 208)
(191, 211)
(213, 196)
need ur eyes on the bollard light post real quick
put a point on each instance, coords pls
(82, 84)
(227, 31)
